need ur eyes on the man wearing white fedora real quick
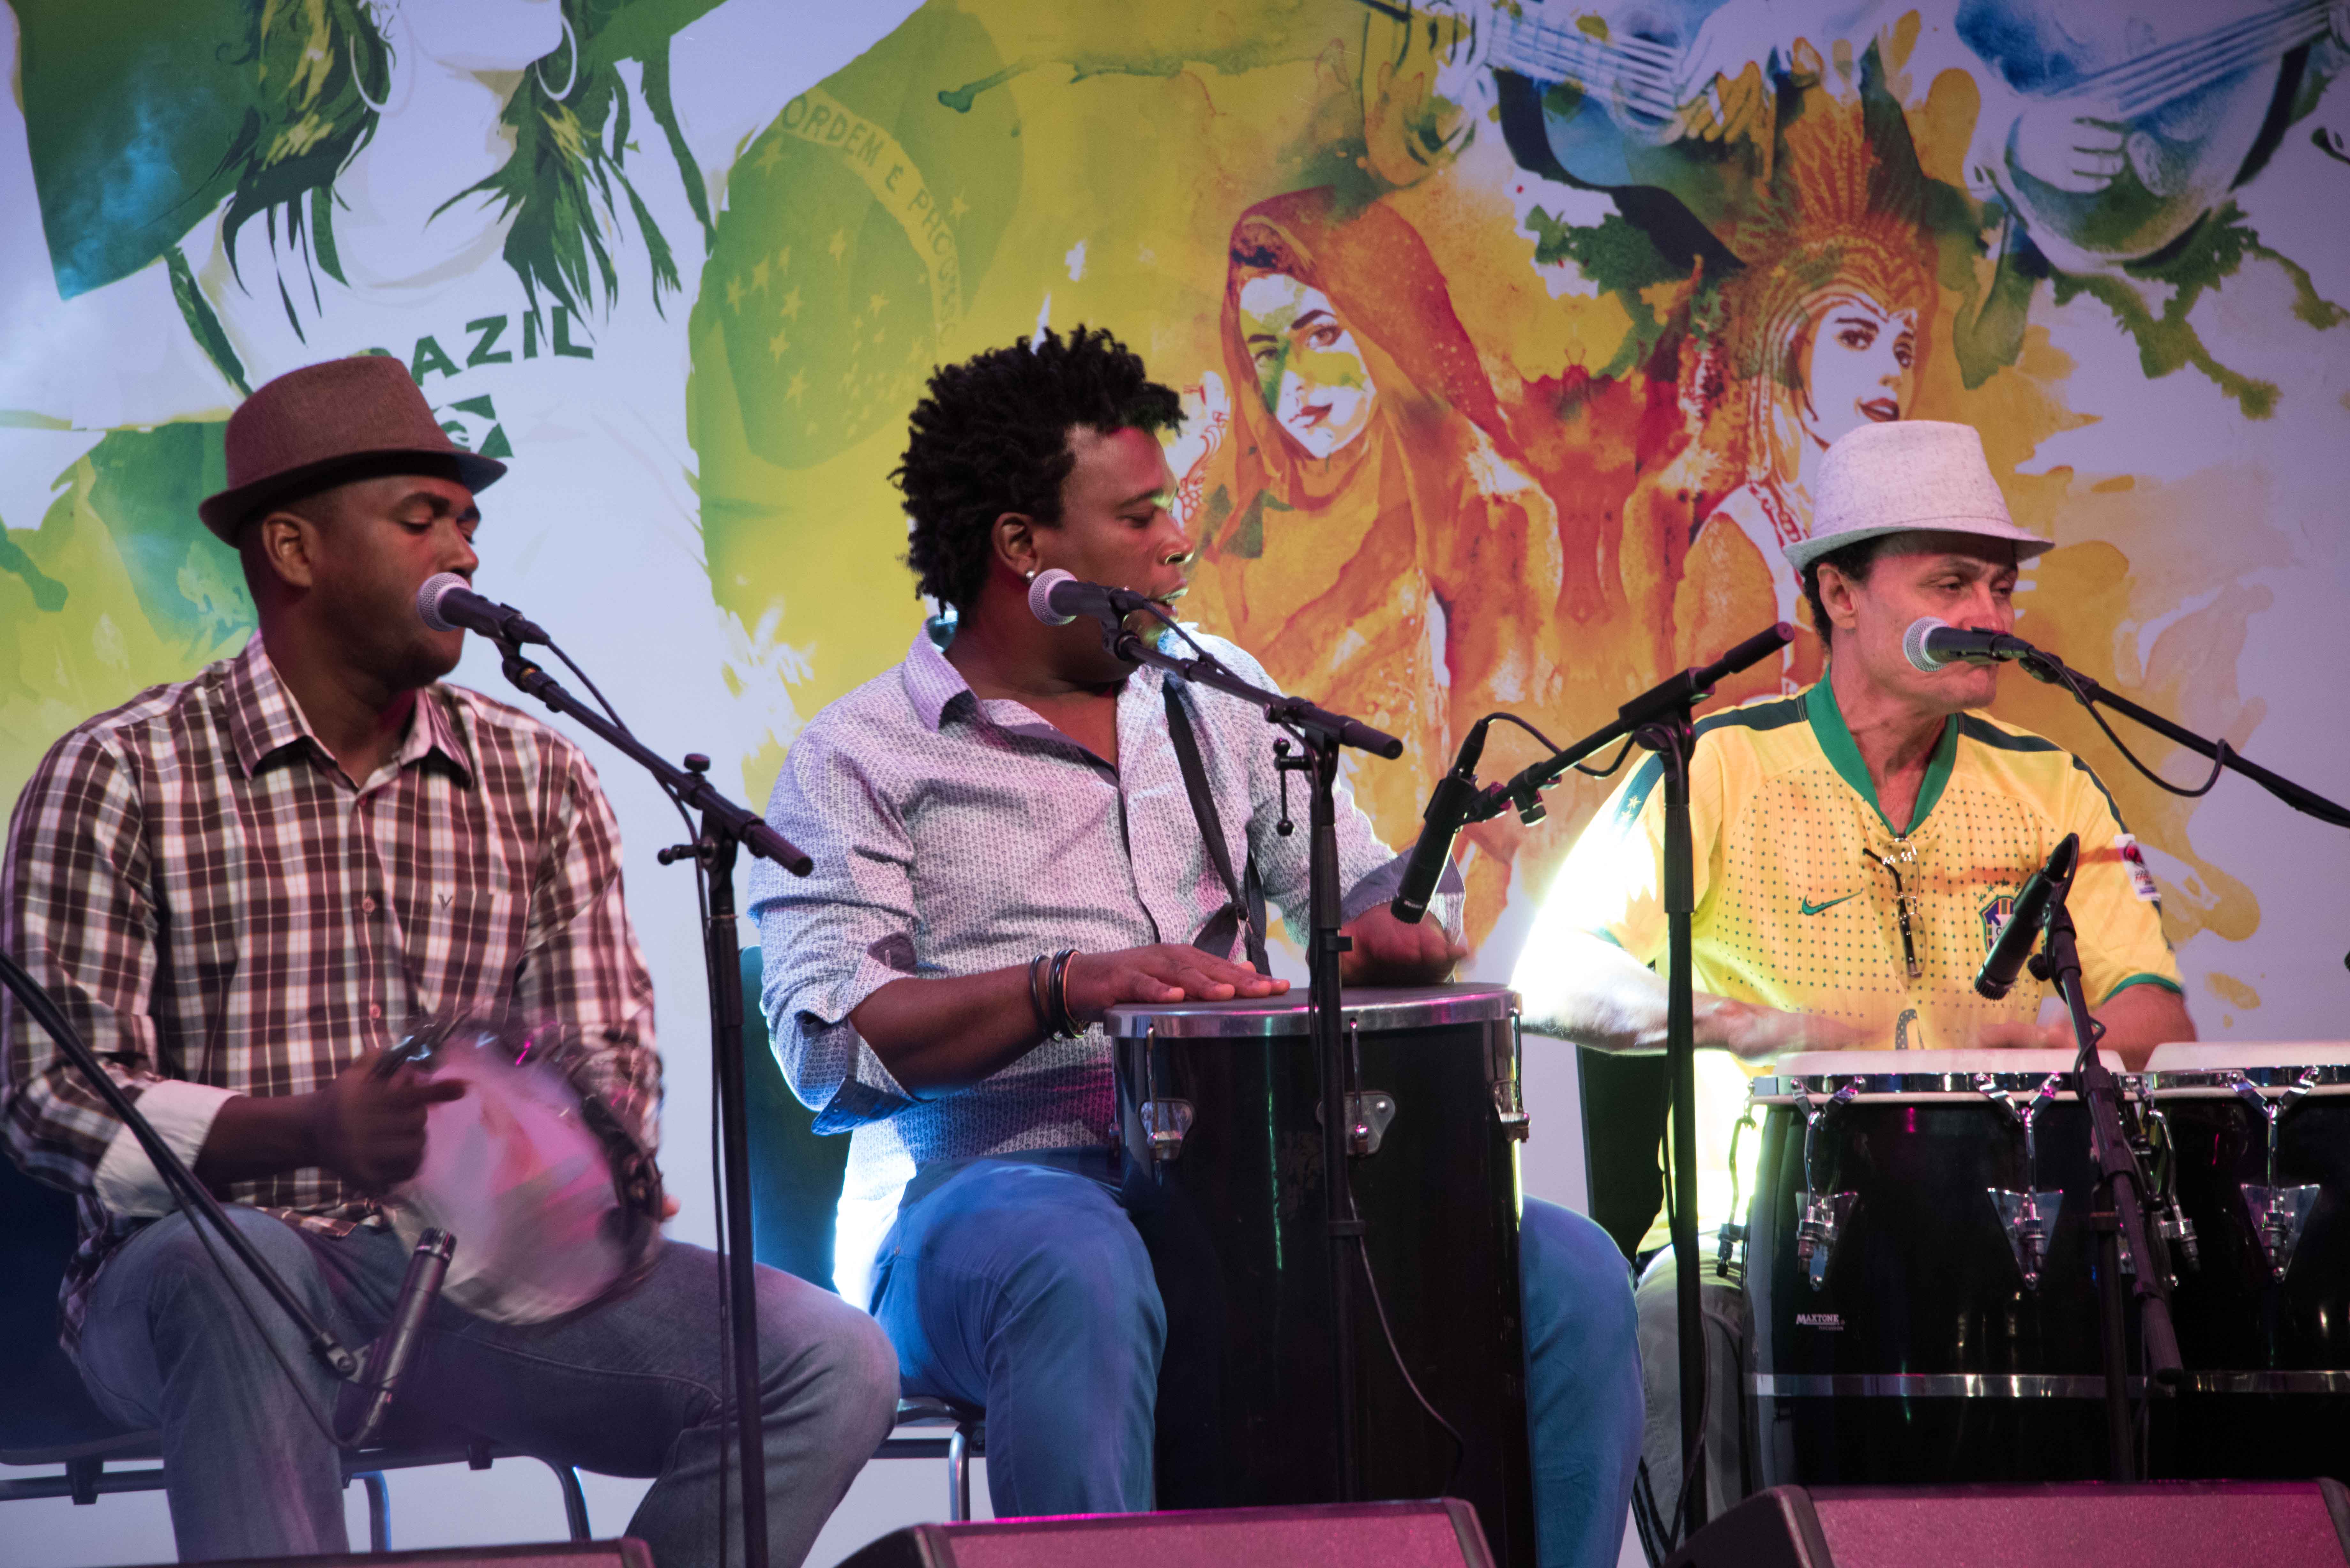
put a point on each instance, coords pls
(1858, 844)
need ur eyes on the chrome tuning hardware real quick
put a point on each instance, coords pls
(2279, 1213)
(1821, 1214)
(1164, 1122)
(1505, 1073)
(2028, 1217)
(2178, 1231)
(1368, 1115)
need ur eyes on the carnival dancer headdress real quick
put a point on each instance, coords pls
(1842, 217)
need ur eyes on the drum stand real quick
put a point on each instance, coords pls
(1321, 736)
(725, 828)
(2119, 1210)
(1659, 719)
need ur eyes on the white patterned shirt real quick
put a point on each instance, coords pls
(953, 836)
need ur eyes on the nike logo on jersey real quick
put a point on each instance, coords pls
(1811, 909)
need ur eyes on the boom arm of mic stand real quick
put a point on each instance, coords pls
(745, 827)
(1676, 694)
(1295, 711)
(2046, 666)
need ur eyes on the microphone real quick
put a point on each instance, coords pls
(1932, 643)
(1447, 809)
(445, 604)
(1056, 598)
(1997, 977)
(361, 1406)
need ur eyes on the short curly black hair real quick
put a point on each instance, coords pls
(993, 437)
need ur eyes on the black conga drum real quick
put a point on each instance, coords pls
(2256, 1141)
(1220, 1104)
(1921, 1272)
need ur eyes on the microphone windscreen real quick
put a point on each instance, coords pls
(428, 599)
(1913, 642)
(1040, 596)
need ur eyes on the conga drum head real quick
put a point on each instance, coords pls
(553, 1205)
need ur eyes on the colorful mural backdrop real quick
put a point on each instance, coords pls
(1510, 332)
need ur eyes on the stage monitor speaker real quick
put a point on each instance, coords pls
(625, 1552)
(1442, 1533)
(2277, 1524)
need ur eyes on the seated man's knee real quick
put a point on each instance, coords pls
(183, 1263)
(1574, 1274)
(1091, 1280)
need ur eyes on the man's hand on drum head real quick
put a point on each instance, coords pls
(369, 1129)
(1388, 951)
(1166, 971)
(2010, 1034)
(1745, 1029)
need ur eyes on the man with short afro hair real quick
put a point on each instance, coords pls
(1005, 849)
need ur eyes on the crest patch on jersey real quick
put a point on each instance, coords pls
(2134, 862)
(1994, 915)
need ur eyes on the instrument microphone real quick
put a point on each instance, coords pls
(2016, 938)
(1932, 643)
(445, 604)
(361, 1406)
(1056, 598)
(1447, 809)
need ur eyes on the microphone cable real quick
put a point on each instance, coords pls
(2061, 674)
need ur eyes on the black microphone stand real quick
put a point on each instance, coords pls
(2042, 665)
(725, 828)
(1321, 736)
(1659, 719)
(2119, 1215)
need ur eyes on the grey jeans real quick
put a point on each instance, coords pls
(629, 1387)
(1723, 1307)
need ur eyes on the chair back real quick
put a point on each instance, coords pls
(795, 1176)
(42, 1401)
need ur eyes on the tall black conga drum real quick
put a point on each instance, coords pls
(2255, 1142)
(1921, 1272)
(1219, 1105)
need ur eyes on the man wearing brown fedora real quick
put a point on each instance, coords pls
(240, 888)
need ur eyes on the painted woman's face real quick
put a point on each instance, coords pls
(1858, 368)
(1308, 369)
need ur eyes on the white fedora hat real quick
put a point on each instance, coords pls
(1905, 475)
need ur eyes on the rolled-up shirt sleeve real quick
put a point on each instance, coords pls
(833, 937)
(75, 911)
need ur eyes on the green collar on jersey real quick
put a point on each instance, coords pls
(1844, 755)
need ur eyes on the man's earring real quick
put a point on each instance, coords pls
(1031, 574)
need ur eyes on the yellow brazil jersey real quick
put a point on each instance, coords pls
(1809, 900)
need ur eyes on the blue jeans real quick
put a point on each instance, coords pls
(1023, 1286)
(631, 1388)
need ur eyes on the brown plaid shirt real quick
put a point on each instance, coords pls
(209, 900)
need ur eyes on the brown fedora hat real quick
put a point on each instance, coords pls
(323, 425)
